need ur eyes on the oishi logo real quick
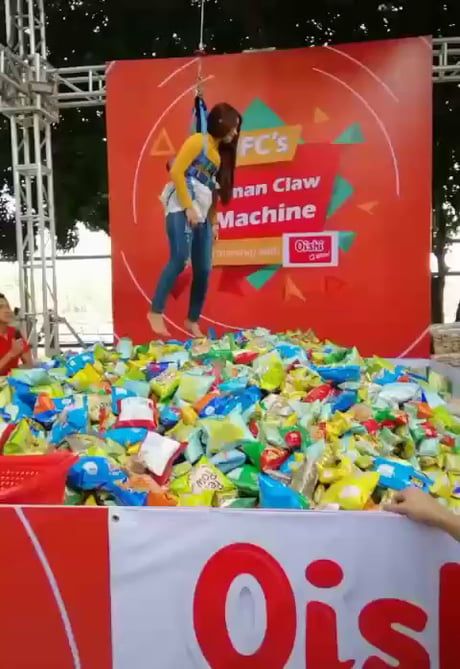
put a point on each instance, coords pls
(310, 249)
(309, 246)
(379, 622)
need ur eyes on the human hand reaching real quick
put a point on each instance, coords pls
(192, 216)
(419, 506)
(17, 348)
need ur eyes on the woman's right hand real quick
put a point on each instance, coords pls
(192, 216)
(17, 348)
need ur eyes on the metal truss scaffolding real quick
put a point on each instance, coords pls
(446, 60)
(32, 95)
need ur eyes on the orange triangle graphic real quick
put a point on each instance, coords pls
(320, 116)
(291, 290)
(368, 207)
(162, 145)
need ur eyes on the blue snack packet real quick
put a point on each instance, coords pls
(339, 374)
(92, 473)
(276, 495)
(226, 461)
(76, 363)
(345, 401)
(126, 436)
(72, 421)
(169, 416)
(399, 476)
(118, 394)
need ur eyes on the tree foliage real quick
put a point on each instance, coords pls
(95, 31)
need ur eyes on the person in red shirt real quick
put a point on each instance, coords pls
(13, 348)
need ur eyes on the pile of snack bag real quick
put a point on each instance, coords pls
(253, 419)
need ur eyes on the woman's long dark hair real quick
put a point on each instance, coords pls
(222, 119)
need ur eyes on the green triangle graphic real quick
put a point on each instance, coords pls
(346, 240)
(258, 116)
(341, 192)
(351, 135)
(259, 279)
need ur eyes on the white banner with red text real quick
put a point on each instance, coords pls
(196, 589)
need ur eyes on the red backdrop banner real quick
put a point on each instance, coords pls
(335, 140)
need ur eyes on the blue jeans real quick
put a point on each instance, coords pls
(186, 242)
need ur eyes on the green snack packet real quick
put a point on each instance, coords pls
(384, 415)
(246, 478)
(20, 440)
(253, 451)
(242, 503)
(181, 469)
(218, 354)
(73, 498)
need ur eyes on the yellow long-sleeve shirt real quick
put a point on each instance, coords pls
(189, 151)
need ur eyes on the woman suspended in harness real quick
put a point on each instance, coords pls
(202, 174)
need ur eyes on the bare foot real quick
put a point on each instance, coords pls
(157, 324)
(193, 328)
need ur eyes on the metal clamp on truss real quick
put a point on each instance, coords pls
(446, 60)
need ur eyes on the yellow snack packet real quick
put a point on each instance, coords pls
(103, 355)
(223, 432)
(318, 494)
(290, 421)
(454, 480)
(180, 432)
(53, 390)
(364, 461)
(6, 395)
(429, 462)
(442, 486)
(452, 463)
(189, 416)
(86, 378)
(203, 476)
(165, 384)
(194, 386)
(442, 416)
(338, 425)
(353, 492)
(327, 474)
(301, 379)
(204, 498)
(270, 371)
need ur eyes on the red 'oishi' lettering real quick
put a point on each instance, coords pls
(324, 574)
(209, 609)
(449, 597)
(321, 644)
(376, 621)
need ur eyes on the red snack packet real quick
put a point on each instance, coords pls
(273, 458)
(424, 410)
(320, 393)
(293, 439)
(161, 499)
(254, 428)
(430, 431)
(371, 426)
(447, 440)
(245, 357)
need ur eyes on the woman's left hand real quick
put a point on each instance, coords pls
(215, 232)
